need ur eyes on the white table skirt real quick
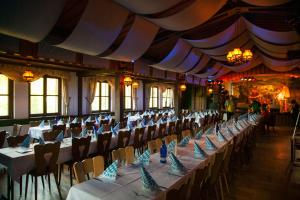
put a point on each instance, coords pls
(128, 185)
(38, 132)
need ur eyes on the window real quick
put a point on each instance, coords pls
(45, 96)
(167, 98)
(153, 97)
(5, 96)
(102, 97)
(128, 97)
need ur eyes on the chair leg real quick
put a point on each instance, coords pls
(71, 176)
(21, 185)
(26, 185)
(226, 183)
(43, 182)
(35, 187)
(57, 186)
(49, 183)
(221, 188)
(60, 171)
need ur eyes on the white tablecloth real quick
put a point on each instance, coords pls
(128, 185)
(37, 132)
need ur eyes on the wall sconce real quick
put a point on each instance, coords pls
(28, 76)
(127, 80)
(182, 87)
(210, 91)
(135, 85)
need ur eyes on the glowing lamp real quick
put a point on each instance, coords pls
(28, 75)
(247, 55)
(210, 90)
(127, 80)
(182, 87)
(135, 85)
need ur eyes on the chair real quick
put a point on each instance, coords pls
(88, 166)
(2, 138)
(123, 138)
(98, 164)
(162, 130)
(89, 125)
(51, 135)
(112, 122)
(172, 128)
(76, 131)
(225, 167)
(198, 183)
(158, 143)
(186, 133)
(14, 141)
(138, 139)
(17, 128)
(79, 173)
(80, 150)
(152, 146)
(107, 127)
(178, 128)
(119, 154)
(46, 157)
(123, 124)
(104, 121)
(73, 125)
(180, 193)
(168, 139)
(151, 132)
(129, 155)
(103, 145)
(59, 128)
(185, 124)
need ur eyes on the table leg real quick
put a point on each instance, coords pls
(12, 189)
(8, 186)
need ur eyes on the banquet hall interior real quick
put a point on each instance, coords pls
(161, 99)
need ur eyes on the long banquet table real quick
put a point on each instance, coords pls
(128, 184)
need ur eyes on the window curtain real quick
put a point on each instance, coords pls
(92, 81)
(65, 96)
(134, 99)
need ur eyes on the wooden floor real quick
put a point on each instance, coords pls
(265, 178)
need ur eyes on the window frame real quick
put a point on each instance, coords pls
(109, 98)
(45, 97)
(151, 97)
(131, 102)
(167, 97)
(10, 99)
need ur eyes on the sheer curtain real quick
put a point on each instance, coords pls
(65, 96)
(92, 81)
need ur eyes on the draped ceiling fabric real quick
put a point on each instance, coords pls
(136, 42)
(29, 20)
(95, 33)
(126, 30)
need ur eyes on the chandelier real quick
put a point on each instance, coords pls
(28, 76)
(236, 56)
(248, 79)
(127, 80)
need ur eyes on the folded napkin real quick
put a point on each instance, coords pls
(199, 153)
(83, 133)
(144, 159)
(184, 141)
(96, 120)
(159, 121)
(82, 122)
(129, 114)
(150, 123)
(60, 122)
(41, 140)
(75, 120)
(42, 124)
(88, 119)
(209, 145)
(60, 137)
(230, 132)
(176, 166)
(198, 136)
(221, 137)
(69, 120)
(111, 171)
(171, 147)
(100, 130)
(147, 181)
(115, 129)
(26, 142)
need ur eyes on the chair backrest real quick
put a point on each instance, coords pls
(158, 143)
(129, 155)
(73, 125)
(46, 157)
(98, 165)
(185, 124)
(88, 166)
(172, 128)
(138, 137)
(174, 137)
(152, 146)
(89, 125)
(78, 169)
(123, 124)
(17, 128)
(119, 154)
(61, 127)
(112, 122)
(186, 132)
(106, 127)
(104, 121)
(76, 131)
(216, 167)
(123, 138)
(178, 127)
(151, 132)
(180, 193)
(14, 141)
(168, 139)
(162, 130)
(191, 123)
(80, 148)
(103, 143)
(51, 135)
(2, 138)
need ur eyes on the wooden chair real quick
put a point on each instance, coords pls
(14, 141)
(123, 124)
(152, 146)
(151, 131)
(129, 155)
(2, 138)
(73, 125)
(138, 139)
(180, 193)
(119, 154)
(76, 131)
(186, 133)
(178, 128)
(103, 145)
(106, 127)
(79, 172)
(89, 125)
(46, 157)
(185, 124)
(98, 164)
(172, 128)
(104, 121)
(112, 122)
(198, 183)
(80, 150)
(17, 128)
(162, 130)
(158, 143)
(123, 138)
(168, 139)
(225, 166)
(51, 135)
(59, 128)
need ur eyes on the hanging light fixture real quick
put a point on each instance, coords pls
(135, 85)
(28, 75)
(127, 80)
(182, 87)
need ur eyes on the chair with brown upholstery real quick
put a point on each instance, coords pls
(14, 141)
(2, 138)
(103, 145)
(178, 128)
(123, 138)
(89, 125)
(138, 139)
(104, 121)
(80, 150)
(106, 127)
(75, 131)
(162, 130)
(51, 135)
(171, 128)
(61, 127)
(79, 173)
(46, 157)
(123, 124)
(185, 124)
(73, 125)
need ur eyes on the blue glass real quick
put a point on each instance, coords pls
(163, 152)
